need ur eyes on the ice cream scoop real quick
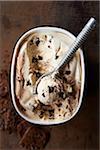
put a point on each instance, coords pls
(48, 90)
(68, 55)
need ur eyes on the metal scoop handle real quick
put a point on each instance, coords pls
(78, 41)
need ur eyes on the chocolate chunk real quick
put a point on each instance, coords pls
(51, 113)
(34, 60)
(64, 78)
(51, 89)
(37, 41)
(38, 74)
(40, 57)
(41, 114)
(59, 104)
(28, 83)
(61, 94)
(43, 94)
(57, 57)
(68, 72)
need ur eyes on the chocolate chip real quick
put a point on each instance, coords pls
(51, 89)
(50, 40)
(41, 114)
(28, 83)
(40, 57)
(34, 60)
(61, 94)
(43, 94)
(59, 104)
(45, 36)
(66, 106)
(68, 72)
(64, 78)
(57, 57)
(51, 112)
(48, 46)
(31, 42)
(38, 74)
(65, 114)
(37, 41)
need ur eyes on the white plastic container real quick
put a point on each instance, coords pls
(69, 38)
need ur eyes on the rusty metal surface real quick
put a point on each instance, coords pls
(81, 133)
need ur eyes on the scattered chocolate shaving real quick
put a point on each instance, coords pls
(3, 83)
(35, 138)
(30, 136)
(51, 89)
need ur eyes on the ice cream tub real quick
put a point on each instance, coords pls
(58, 97)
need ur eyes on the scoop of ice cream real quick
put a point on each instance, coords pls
(49, 89)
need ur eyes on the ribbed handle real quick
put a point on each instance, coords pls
(77, 43)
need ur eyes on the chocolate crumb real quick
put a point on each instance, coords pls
(28, 83)
(34, 60)
(51, 89)
(43, 94)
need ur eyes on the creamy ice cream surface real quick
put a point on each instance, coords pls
(57, 95)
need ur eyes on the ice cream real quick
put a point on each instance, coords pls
(48, 90)
(57, 95)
